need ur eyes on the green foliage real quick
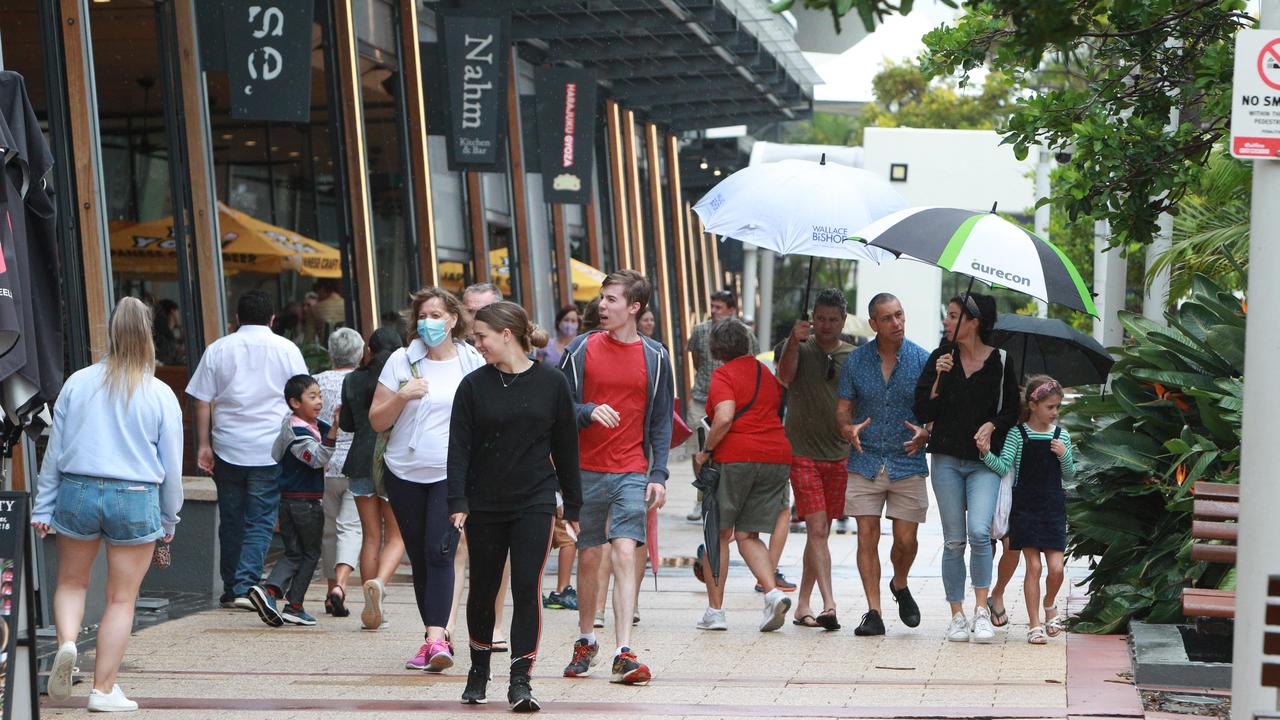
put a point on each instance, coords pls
(1211, 231)
(1172, 418)
(1109, 74)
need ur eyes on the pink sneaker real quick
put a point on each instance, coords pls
(439, 656)
(418, 661)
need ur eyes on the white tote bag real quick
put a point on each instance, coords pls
(1004, 500)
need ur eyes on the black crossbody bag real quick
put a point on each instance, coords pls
(709, 475)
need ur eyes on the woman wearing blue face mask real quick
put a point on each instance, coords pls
(414, 399)
(566, 330)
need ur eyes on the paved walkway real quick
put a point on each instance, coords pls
(220, 662)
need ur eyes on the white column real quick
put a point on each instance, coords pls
(1155, 296)
(750, 268)
(1043, 165)
(1109, 282)
(764, 322)
(1259, 492)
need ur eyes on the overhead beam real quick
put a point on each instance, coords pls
(686, 92)
(618, 49)
(700, 65)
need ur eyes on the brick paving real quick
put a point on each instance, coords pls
(222, 663)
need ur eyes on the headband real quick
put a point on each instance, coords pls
(1044, 390)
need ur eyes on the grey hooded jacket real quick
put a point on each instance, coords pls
(659, 406)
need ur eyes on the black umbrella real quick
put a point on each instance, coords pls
(1051, 347)
(708, 481)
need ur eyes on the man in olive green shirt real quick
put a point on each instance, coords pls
(809, 366)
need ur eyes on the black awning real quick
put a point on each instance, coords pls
(685, 64)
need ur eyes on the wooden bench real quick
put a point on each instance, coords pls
(1214, 518)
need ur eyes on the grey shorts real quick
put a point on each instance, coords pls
(612, 508)
(751, 495)
(121, 512)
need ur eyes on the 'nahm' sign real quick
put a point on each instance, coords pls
(475, 53)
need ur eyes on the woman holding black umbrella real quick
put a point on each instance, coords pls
(970, 394)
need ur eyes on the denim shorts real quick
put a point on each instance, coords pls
(122, 512)
(612, 507)
(362, 487)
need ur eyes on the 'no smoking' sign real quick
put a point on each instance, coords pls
(1255, 96)
(1269, 64)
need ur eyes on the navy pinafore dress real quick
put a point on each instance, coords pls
(1038, 516)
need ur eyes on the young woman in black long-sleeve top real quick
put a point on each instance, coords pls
(513, 444)
(967, 392)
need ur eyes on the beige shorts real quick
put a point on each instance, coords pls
(906, 498)
(697, 411)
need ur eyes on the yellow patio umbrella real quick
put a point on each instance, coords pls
(586, 280)
(248, 245)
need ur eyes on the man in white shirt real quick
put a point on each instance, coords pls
(239, 384)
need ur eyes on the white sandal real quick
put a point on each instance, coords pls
(1036, 636)
(1056, 624)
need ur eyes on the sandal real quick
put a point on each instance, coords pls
(500, 646)
(1056, 624)
(336, 602)
(999, 618)
(1036, 636)
(806, 621)
(827, 619)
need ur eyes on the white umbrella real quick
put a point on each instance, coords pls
(799, 207)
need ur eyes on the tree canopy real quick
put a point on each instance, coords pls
(1102, 78)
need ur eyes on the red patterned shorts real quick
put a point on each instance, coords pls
(819, 486)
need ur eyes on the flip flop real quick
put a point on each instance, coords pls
(827, 620)
(998, 618)
(500, 646)
(806, 621)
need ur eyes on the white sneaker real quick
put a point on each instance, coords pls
(713, 619)
(242, 603)
(113, 702)
(776, 606)
(371, 616)
(60, 675)
(983, 632)
(959, 630)
(695, 514)
(599, 620)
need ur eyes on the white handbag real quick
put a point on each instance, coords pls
(1004, 500)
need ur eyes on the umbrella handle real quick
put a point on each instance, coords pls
(808, 285)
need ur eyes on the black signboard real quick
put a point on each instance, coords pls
(210, 23)
(566, 131)
(268, 45)
(17, 599)
(474, 57)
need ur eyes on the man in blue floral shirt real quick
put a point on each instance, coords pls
(887, 467)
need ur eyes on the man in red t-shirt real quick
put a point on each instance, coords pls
(623, 396)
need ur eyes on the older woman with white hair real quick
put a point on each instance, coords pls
(340, 551)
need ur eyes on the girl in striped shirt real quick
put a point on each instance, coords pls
(1041, 453)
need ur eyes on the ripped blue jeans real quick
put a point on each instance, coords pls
(966, 491)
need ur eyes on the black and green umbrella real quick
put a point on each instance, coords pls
(985, 247)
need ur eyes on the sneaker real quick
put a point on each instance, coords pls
(713, 619)
(629, 671)
(796, 527)
(60, 675)
(520, 695)
(569, 598)
(439, 656)
(599, 621)
(635, 619)
(780, 581)
(296, 615)
(242, 603)
(371, 616)
(553, 601)
(959, 628)
(983, 632)
(871, 624)
(419, 660)
(695, 514)
(842, 526)
(908, 610)
(775, 611)
(585, 657)
(697, 564)
(115, 701)
(477, 683)
(265, 603)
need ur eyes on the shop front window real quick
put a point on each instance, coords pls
(394, 260)
(278, 198)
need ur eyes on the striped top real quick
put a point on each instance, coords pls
(1011, 455)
